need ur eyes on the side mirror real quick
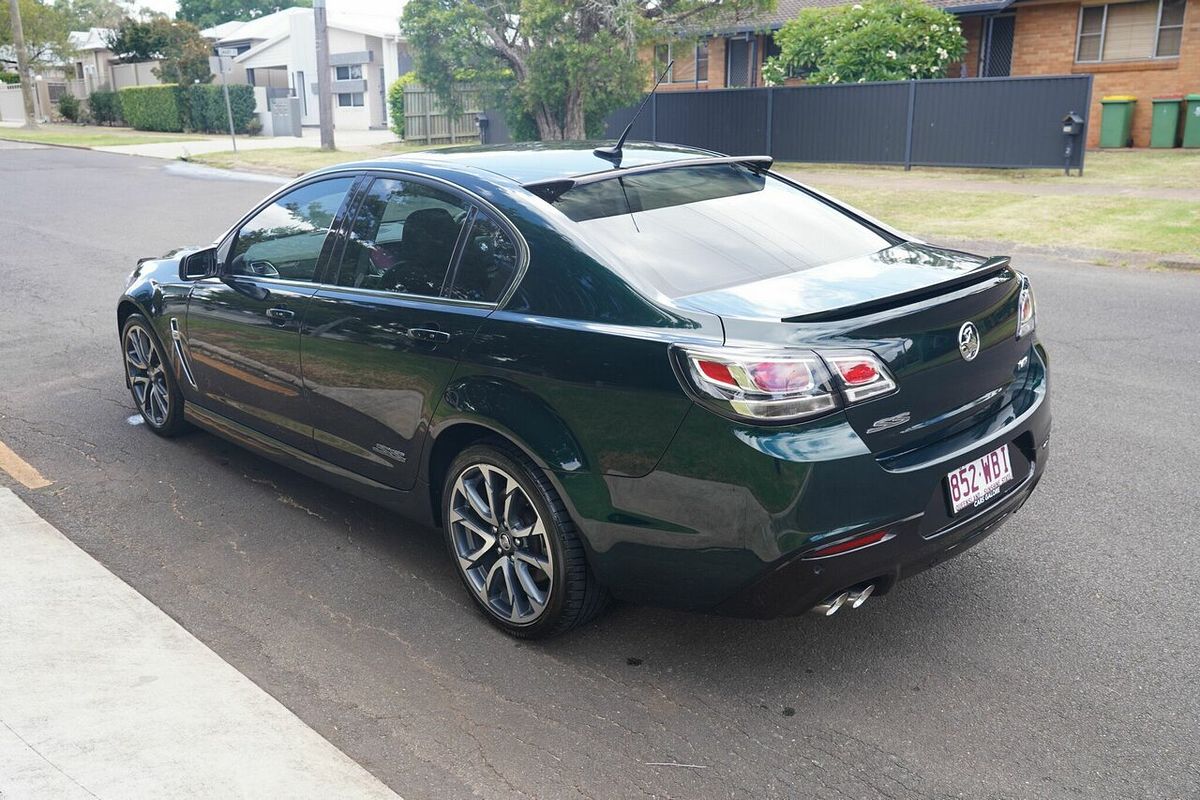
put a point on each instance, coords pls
(197, 265)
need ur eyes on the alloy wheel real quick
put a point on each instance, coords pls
(147, 376)
(501, 544)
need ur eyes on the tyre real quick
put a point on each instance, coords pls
(515, 547)
(148, 375)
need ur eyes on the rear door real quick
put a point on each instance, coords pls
(243, 328)
(419, 268)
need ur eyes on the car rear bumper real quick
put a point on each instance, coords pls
(726, 521)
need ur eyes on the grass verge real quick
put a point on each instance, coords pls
(292, 161)
(1128, 224)
(89, 136)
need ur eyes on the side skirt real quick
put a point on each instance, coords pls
(413, 504)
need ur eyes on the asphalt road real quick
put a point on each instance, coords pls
(1057, 659)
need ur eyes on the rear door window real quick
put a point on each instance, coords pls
(403, 238)
(687, 230)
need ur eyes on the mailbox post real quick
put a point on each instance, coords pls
(1072, 128)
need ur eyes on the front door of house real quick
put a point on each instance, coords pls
(739, 69)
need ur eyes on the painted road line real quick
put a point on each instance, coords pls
(102, 695)
(20, 470)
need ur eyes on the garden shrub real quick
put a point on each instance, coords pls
(69, 107)
(9, 77)
(105, 106)
(203, 108)
(395, 99)
(152, 108)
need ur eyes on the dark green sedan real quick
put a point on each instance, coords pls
(677, 379)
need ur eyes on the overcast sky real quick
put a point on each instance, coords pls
(349, 6)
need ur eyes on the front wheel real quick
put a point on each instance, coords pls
(516, 548)
(149, 377)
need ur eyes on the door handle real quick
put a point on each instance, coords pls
(428, 335)
(280, 313)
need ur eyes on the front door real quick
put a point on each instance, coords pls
(420, 269)
(243, 328)
(739, 62)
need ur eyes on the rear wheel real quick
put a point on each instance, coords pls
(150, 380)
(517, 550)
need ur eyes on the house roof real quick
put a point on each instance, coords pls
(261, 28)
(788, 9)
(91, 39)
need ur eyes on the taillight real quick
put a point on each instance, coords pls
(760, 386)
(1026, 310)
(848, 545)
(861, 374)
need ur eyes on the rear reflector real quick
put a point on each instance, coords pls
(858, 542)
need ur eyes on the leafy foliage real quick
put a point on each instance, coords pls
(9, 77)
(207, 13)
(203, 108)
(105, 107)
(69, 107)
(152, 108)
(876, 40)
(85, 14)
(46, 27)
(179, 46)
(565, 64)
(395, 99)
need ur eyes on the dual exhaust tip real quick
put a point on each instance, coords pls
(853, 597)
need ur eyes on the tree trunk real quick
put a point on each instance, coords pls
(548, 127)
(574, 126)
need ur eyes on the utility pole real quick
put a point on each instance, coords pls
(18, 34)
(324, 90)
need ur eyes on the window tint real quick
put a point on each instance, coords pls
(284, 240)
(402, 239)
(489, 261)
(694, 229)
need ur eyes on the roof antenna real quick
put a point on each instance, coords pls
(613, 153)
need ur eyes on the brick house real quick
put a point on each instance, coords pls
(1146, 48)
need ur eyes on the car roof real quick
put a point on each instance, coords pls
(528, 162)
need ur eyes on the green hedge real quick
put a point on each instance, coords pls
(105, 107)
(203, 107)
(9, 77)
(199, 107)
(152, 108)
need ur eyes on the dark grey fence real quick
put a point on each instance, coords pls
(971, 122)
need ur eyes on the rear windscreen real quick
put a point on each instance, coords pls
(687, 230)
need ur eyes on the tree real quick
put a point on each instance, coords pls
(563, 63)
(876, 40)
(86, 14)
(207, 13)
(46, 29)
(180, 48)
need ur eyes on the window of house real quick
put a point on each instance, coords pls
(350, 99)
(1129, 31)
(702, 61)
(349, 72)
(662, 57)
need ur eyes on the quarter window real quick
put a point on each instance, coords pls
(403, 238)
(489, 261)
(284, 240)
(1130, 31)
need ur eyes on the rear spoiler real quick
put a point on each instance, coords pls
(992, 266)
(551, 190)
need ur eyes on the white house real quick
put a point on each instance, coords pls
(279, 54)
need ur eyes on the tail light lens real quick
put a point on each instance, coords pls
(757, 386)
(1026, 310)
(861, 374)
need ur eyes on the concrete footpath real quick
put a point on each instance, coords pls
(102, 695)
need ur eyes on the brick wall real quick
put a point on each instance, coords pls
(1044, 44)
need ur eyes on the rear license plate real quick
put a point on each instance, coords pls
(978, 481)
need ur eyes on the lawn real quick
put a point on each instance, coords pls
(1164, 169)
(292, 161)
(1166, 227)
(90, 136)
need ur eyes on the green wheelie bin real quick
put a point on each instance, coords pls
(1116, 120)
(1191, 123)
(1164, 123)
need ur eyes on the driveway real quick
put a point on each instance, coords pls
(1055, 660)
